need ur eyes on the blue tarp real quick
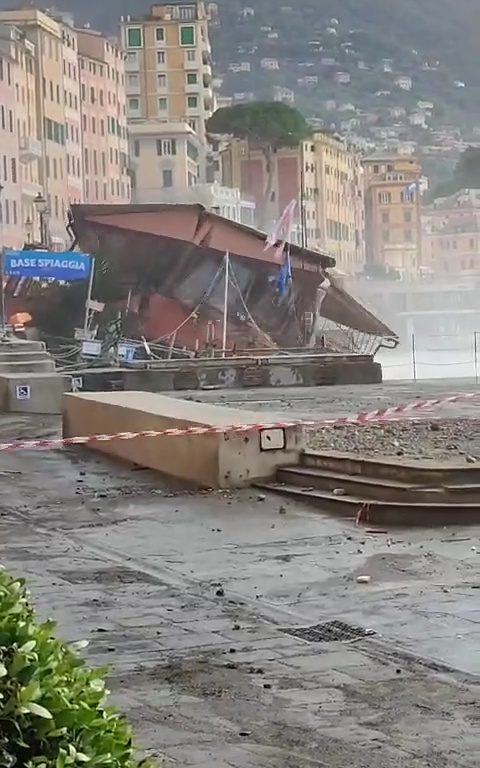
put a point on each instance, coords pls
(66, 266)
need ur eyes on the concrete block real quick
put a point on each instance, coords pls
(32, 392)
(211, 461)
(22, 356)
(21, 345)
(27, 366)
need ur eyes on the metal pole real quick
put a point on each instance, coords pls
(475, 352)
(225, 304)
(89, 297)
(414, 358)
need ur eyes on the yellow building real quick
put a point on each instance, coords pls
(340, 203)
(326, 178)
(393, 213)
(165, 161)
(20, 150)
(50, 36)
(169, 65)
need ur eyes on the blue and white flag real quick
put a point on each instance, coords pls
(412, 189)
(284, 277)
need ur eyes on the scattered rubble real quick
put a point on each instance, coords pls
(449, 439)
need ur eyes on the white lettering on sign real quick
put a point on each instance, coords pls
(48, 264)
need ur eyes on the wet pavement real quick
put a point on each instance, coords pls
(188, 597)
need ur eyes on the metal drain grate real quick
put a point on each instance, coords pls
(331, 631)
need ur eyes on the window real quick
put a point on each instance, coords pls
(132, 58)
(166, 147)
(162, 81)
(185, 12)
(14, 170)
(133, 105)
(385, 218)
(386, 236)
(55, 174)
(167, 178)
(162, 104)
(132, 80)
(187, 35)
(192, 102)
(408, 235)
(92, 95)
(86, 159)
(376, 169)
(192, 151)
(384, 198)
(134, 37)
(192, 55)
(136, 148)
(407, 217)
(192, 78)
(160, 34)
(160, 57)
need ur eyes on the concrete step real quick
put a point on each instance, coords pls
(428, 473)
(20, 345)
(369, 488)
(383, 513)
(21, 356)
(31, 366)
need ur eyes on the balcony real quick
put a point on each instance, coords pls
(30, 190)
(30, 150)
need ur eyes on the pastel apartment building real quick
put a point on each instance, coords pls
(48, 146)
(326, 178)
(103, 119)
(169, 65)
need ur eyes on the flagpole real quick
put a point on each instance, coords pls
(225, 304)
(89, 297)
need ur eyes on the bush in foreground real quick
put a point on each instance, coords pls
(53, 711)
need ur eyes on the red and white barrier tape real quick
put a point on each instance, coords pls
(381, 414)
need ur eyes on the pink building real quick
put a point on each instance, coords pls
(11, 225)
(103, 116)
(73, 131)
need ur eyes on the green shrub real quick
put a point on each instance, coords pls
(52, 707)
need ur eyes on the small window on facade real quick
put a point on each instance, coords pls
(160, 34)
(134, 37)
(187, 35)
(192, 102)
(192, 78)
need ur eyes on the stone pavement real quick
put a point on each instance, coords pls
(187, 597)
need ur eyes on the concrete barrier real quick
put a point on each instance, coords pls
(210, 461)
(32, 392)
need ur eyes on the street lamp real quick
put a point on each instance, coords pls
(41, 206)
(28, 227)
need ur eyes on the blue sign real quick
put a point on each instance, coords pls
(66, 266)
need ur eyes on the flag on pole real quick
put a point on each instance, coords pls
(284, 277)
(412, 189)
(282, 229)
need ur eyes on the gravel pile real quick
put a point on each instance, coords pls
(446, 440)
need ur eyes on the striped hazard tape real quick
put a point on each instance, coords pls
(396, 412)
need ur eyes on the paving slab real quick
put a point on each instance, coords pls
(134, 566)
